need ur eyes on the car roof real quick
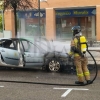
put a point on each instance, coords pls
(12, 38)
(4, 38)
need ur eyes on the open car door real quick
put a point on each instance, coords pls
(32, 55)
(9, 52)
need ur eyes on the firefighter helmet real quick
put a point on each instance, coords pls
(76, 30)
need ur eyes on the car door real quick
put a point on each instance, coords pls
(9, 52)
(33, 55)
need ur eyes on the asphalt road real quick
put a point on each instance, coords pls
(27, 91)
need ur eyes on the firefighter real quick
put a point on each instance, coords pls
(78, 50)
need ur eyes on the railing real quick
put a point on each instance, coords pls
(96, 54)
(94, 43)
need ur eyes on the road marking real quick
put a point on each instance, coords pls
(1, 86)
(68, 90)
(66, 93)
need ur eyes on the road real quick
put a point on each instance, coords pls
(27, 91)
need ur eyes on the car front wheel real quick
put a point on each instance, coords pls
(53, 65)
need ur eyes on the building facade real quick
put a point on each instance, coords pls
(56, 19)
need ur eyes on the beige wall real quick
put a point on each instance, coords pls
(69, 3)
(98, 22)
(9, 22)
(50, 24)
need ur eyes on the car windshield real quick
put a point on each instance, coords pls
(30, 47)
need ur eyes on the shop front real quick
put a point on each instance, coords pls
(29, 23)
(66, 19)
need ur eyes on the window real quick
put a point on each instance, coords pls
(21, 47)
(29, 47)
(64, 25)
(32, 27)
(7, 44)
(26, 46)
(11, 46)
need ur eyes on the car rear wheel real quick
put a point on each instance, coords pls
(53, 65)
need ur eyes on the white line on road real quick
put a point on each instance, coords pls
(66, 93)
(69, 90)
(72, 88)
(1, 86)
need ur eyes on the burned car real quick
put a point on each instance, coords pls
(21, 53)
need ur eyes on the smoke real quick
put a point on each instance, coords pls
(42, 45)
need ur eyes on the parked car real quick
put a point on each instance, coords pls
(21, 53)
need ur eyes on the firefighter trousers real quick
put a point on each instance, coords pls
(81, 68)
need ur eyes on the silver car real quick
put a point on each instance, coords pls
(21, 53)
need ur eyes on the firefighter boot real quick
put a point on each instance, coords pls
(78, 82)
(89, 82)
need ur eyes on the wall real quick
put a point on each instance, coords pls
(98, 23)
(69, 3)
(50, 24)
(9, 22)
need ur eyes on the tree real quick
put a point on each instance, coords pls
(19, 5)
(1, 7)
(1, 4)
(1, 26)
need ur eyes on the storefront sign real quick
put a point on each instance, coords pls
(76, 12)
(30, 14)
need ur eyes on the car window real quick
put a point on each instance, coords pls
(1, 43)
(33, 48)
(25, 44)
(44, 44)
(30, 47)
(15, 43)
(7, 44)
(11, 45)
(21, 47)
